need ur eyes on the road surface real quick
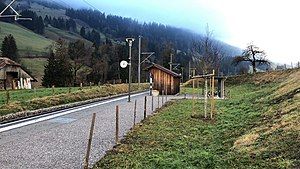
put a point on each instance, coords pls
(59, 140)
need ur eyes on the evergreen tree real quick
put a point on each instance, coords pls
(58, 71)
(50, 71)
(82, 32)
(9, 48)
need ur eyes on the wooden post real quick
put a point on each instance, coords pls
(193, 97)
(86, 164)
(134, 113)
(205, 99)
(90, 85)
(212, 95)
(166, 94)
(152, 106)
(70, 90)
(162, 98)
(7, 96)
(117, 124)
(52, 89)
(145, 107)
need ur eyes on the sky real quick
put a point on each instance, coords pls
(272, 25)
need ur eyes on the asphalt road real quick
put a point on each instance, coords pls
(60, 140)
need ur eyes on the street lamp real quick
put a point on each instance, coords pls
(129, 41)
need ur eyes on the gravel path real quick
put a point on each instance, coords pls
(61, 142)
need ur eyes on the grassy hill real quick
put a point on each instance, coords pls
(28, 42)
(55, 34)
(257, 127)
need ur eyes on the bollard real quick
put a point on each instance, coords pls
(134, 113)
(145, 107)
(86, 164)
(117, 124)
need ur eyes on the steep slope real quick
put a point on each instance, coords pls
(28, 42)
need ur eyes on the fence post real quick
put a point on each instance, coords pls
(86, 164)
(7, 96)
(145, 108)
(69, 90)
(152, 103)
(166, 94)
(117, 124)
(162, 98)
(52, 89)
(134, 113)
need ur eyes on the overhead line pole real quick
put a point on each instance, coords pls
(139, 65)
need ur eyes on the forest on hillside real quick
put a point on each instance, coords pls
(108, 33)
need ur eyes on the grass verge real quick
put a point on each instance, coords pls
(247, 133)
(26, 100)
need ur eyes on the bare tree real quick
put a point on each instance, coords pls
(208, 53)
(253, 55)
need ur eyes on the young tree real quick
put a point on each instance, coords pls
(208, 53)
(253, 55)
(9, 48)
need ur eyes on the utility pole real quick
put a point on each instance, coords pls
(189, 69)
(139, 63)
(171, 61)
(130, 41)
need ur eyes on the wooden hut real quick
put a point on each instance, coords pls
(164, 79)
(13, 76)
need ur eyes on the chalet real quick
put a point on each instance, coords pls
(164, 79)
(13, 76)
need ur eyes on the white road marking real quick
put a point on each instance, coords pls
(29, 122)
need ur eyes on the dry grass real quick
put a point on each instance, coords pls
(65, 98)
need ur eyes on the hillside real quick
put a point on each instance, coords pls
(28, 42)
(257, 127)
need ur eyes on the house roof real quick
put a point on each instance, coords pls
(174, 74)
(6, 61)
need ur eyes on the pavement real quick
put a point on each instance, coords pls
(60, 139)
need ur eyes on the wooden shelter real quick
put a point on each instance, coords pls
(13, 76)
(164, 79)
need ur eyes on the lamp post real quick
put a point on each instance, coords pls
(129, 41)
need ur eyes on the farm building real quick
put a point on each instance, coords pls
(164, 79)
(12, 76)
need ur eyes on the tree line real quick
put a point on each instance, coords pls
(72, 63)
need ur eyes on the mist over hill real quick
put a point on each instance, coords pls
(59, 20)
